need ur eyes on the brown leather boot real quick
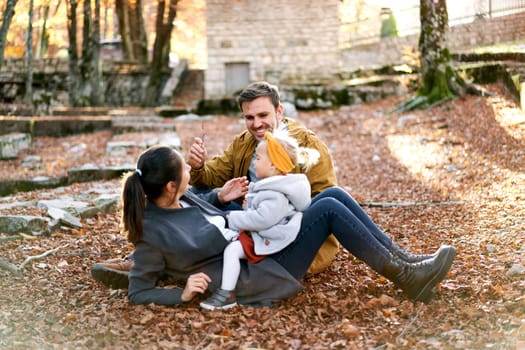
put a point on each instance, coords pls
(418, 280)
(113, 273)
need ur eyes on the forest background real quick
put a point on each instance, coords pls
(50, 36)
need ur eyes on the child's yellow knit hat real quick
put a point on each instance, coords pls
(280, 159)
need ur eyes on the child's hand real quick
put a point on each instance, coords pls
(233, 189)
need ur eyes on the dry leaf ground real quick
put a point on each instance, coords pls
(469, 153)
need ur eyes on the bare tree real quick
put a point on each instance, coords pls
(95, 88)
(9, 12)
(90, 60)
(161, 49)
(86, 60)
(132, 30)
(74, 75)
(43, 40)
(29, 56)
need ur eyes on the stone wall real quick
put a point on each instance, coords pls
(60, 65)
(282, 41)
(123, 83)
(459, 39)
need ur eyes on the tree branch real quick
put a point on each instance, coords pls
(43, 255)
(408, 204)
(6, 265)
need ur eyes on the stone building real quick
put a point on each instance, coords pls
(306, 42)
(279, 41)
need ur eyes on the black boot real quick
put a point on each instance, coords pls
(412, 258)
(418, 280)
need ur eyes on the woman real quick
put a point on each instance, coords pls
(176, 233)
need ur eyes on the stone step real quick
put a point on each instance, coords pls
(12, 109)
(12, 144)
(68, 125)
(349, 92)
(24, 185)
(15, 224)
(102, 111)
(131, 118)
(80, 111)
(124, 127)
(66, 209)
(53, 126)
(172, 111)
(510, 75)
(489, 56)
(89, 172)
(116, 148)
(132, 112)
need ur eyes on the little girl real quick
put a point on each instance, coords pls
(273, 211)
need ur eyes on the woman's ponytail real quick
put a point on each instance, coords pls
(133, 206)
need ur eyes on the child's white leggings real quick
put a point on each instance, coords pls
(231, 269)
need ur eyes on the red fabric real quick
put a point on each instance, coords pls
(248, 247)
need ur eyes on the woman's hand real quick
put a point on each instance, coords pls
(196, 283)
(197, 154)
(233, 189)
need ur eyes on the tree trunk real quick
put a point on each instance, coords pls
(44, 35)
(29, 57)
(74, 78)
(132, 30)
(435, 58)
(95, 88)
(439, 81)
(140, 39)
(86, 62)
(121, 9)
(6, 21)
(161, 50)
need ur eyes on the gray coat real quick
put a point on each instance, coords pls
(273, 212)
(181, 242)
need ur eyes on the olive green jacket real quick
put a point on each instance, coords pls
(235, 162)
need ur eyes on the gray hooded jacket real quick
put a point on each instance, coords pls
(273, 212)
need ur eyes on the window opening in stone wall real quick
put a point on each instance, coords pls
(237, 76)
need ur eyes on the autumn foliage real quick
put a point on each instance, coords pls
(452, 174)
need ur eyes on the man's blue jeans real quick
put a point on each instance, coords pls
(335, 211)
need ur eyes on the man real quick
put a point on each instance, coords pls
(262, 111)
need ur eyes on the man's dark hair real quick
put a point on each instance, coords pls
(259, 89)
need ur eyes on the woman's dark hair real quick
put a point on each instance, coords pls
(156, 166)
(259, 89)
